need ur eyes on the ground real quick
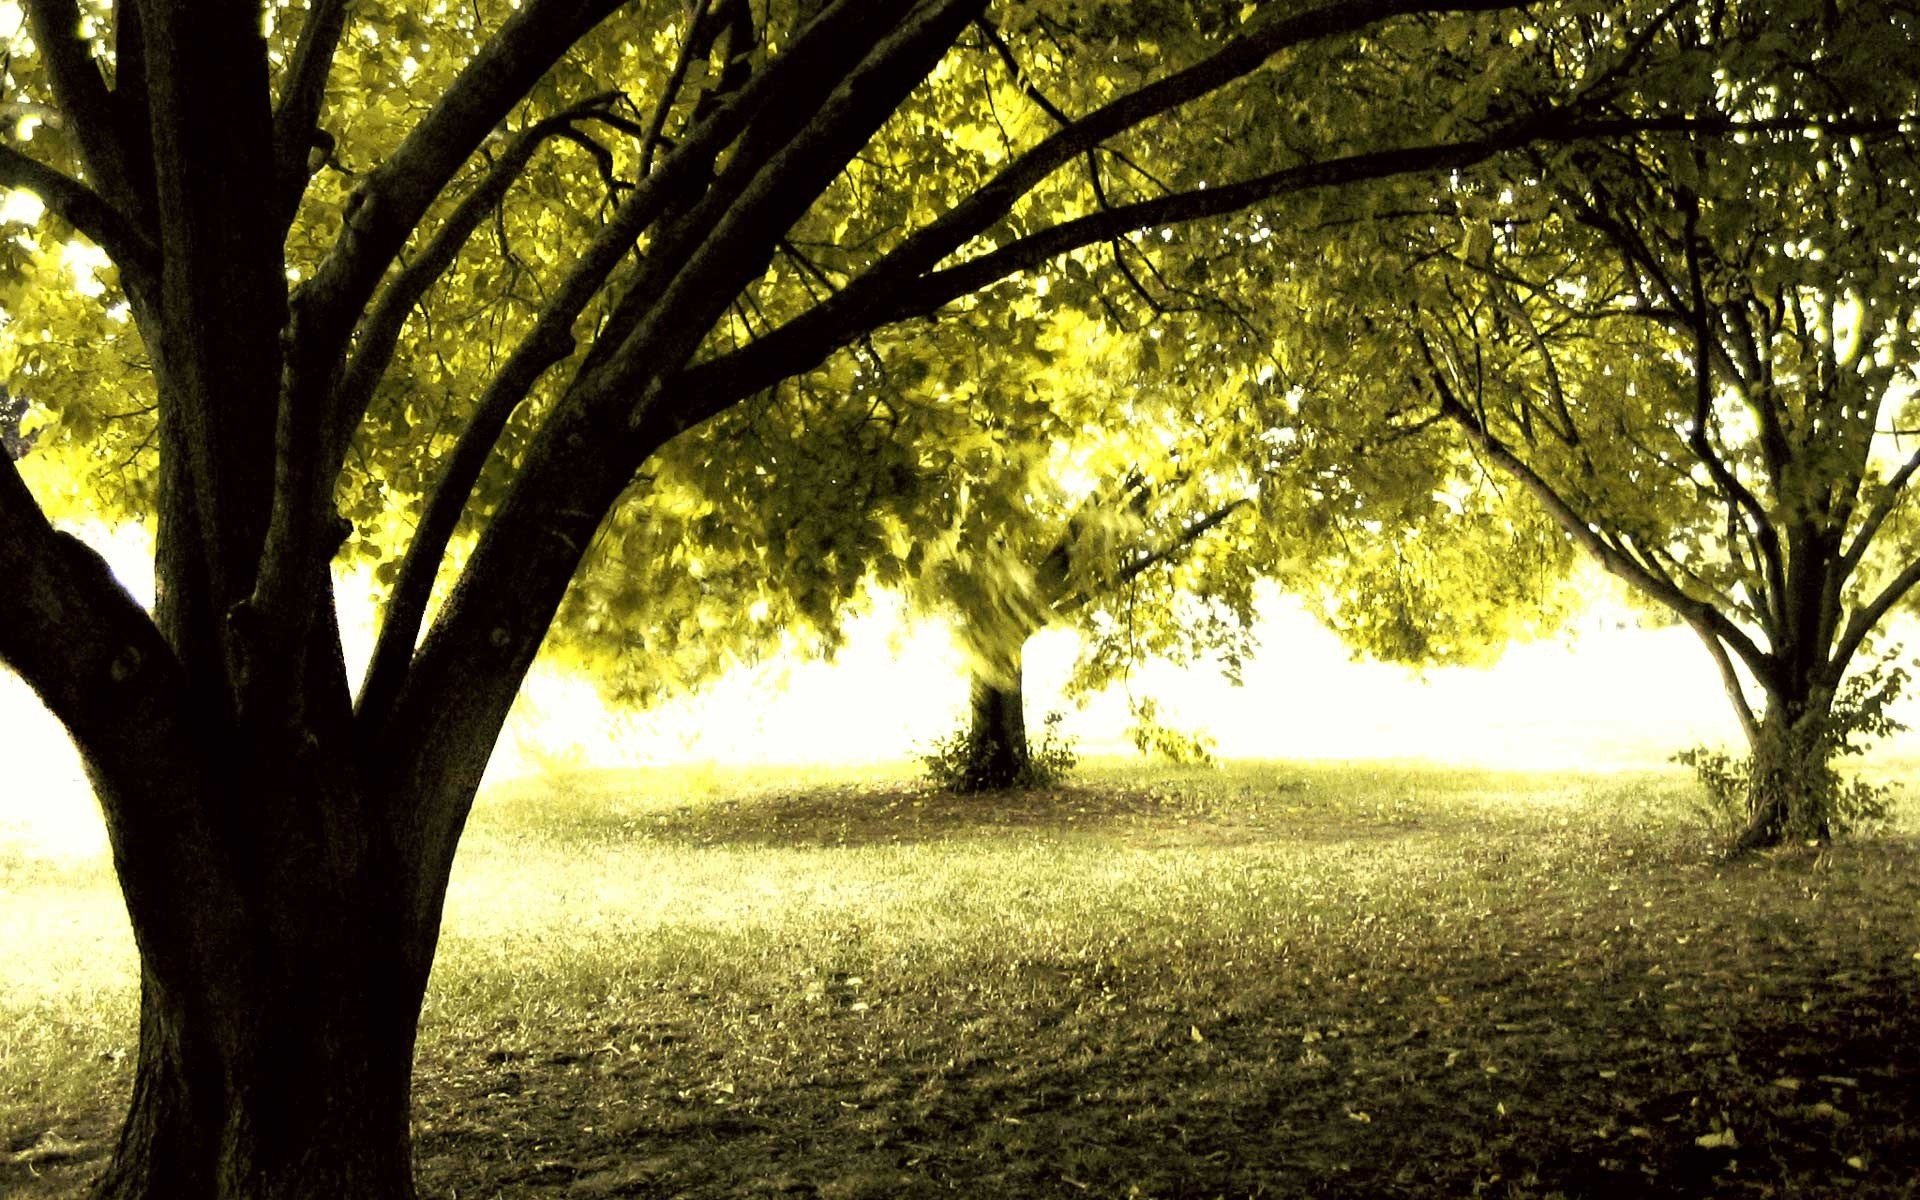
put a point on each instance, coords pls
(1253, 981)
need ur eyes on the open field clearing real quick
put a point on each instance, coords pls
(1263, 980)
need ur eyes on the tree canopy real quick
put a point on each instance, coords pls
(495, 291)
(1699, 359)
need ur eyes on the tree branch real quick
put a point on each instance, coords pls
(785, 160)
(894, 290)
(1889, 498)
(1766, 537)
(801, 77)
(406, 608)
(1729, 679)
(379, 334)
(812, 63)
(303, 525)
(102, 667)
(392, 200)
(684, 170)
(78, 639)
(1586, 535)
(1192, 532)
(84, 100)
(81, 207)
(296, 120)
(670, 91)
(828, 326)
(1865, 618)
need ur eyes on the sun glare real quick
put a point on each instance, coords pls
(1608, 694)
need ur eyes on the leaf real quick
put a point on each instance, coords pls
(1722, 1139)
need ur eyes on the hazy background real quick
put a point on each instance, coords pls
(1608, 694)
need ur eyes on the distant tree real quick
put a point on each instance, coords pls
(1089, 571)
(1699, 359)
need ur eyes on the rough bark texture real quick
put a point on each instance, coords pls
(997, 754)
(283, 1097)
(1791, 783)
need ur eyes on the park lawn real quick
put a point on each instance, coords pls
(1261, 980)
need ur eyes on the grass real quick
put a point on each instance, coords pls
(1258, 981)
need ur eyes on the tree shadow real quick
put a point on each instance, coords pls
(1142, 817)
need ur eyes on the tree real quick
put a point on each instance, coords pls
(1119, 540)
(1698, 358)
(279, 192)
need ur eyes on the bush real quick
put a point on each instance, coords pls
(1156, 739)
(954, 762)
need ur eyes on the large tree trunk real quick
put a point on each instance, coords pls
(1790, 779)
(291, 1097)
(997, 754)
(281, 984)
(282, 973)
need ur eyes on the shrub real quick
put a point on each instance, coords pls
(957, 763)
(1156, 739)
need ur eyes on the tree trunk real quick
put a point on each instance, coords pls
(284, 957)
(1790, 778)
(996, 748)
(293, 1097)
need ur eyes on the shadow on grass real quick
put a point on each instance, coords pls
(894, 813)
(1618, 1075)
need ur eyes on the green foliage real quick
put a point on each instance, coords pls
(957, 762)
(1795, 766)
(1686, 352)
(1153, 737)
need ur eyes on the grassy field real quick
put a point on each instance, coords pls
(1258, 981)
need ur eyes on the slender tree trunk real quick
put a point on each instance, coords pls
(997, 753)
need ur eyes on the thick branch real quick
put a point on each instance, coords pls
(102, 667)
(783, 164)
(467, 671)
(395, 197)
(1871, 614)
(84, 209)
(1883, 505)
(379, 334)
(1730, 680)
(78, 639)
(894, 290)
(1766, 537)
(875, 298)
(686, 169)
(407, 606)
(816, 57)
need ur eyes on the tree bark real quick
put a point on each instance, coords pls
(282, 975)
(288, 1097)
(997, 754)
(1790, 777)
